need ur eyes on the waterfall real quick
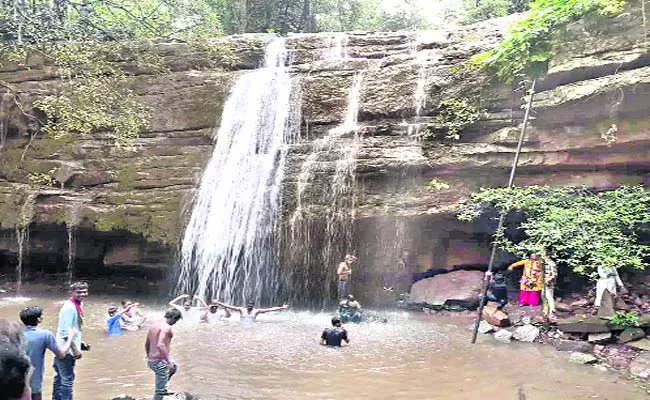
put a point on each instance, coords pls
(337, 47)
(229, 250)
(22, 236)
(321, 227)
(73, 220)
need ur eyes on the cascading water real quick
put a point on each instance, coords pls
(337, 48)
(22, 236)
(230, 250)
(331, 207)
(73, 220)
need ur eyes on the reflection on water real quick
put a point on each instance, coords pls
(411, 357)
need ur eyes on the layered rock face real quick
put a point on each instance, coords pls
(132, 204)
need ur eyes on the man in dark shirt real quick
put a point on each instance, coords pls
(335, 335)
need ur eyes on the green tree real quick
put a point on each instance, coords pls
(527, 46)
(582, 229)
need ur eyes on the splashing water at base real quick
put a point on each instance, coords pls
(229, 250)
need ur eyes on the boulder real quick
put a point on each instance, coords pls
(599, 337)
(496, 317)
(526, 333)
(485, 327)
(578, 303)
(631, 334)
(641, 344)
(563, 307)
(458, 289)
(583, 325)
(606, 308)
(503, 336)
(640, 367)
(582, 358)
(573, 346)
(620, 304)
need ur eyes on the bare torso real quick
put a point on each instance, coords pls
(160, 332)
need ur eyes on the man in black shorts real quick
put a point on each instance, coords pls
(335, 335)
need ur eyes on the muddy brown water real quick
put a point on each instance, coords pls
(412, 356)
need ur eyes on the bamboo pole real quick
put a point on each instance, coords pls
(502, 217)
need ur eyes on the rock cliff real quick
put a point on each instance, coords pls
(130, 206)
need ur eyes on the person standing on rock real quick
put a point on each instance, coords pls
(609, 280)
(531, 281)
(344, 271)
(70, 320)
(550, 278)
(158, 348)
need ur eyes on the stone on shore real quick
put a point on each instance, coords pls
(503, 336)
(496, 317)
(641, 344)
(485, 327)
(583, 325)
(573, 346)
(606, 308)
(453, 290)
(563, 307)
(640, 367)
(631, 334)
(599, 338)
(526, 333)
(582, 358)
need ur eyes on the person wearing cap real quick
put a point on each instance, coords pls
(335, 335)
(114, 322)
(249, 313)
(214, 314)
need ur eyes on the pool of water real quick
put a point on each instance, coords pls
(413, 356)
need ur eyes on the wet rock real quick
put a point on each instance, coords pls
(485, 327)
(631, 334)
(641, 344)
(503, 336)
(620, 304)
(583, 325)
(526, 319)
(563, 307)
(496, 317)
(582, 358)
(578, 303)
(123, 397)
(640, 367)
(526, 333)
(454, 289)
(606, 308)
(573, 346)
(599, 337)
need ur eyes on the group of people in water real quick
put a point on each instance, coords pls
(23, 347)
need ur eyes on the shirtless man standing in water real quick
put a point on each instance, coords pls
(249, 313)
(158, 348)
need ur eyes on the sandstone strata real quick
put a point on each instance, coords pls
(132, 203)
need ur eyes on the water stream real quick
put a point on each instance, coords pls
(22, 236)
(73, 220)
(229, 249)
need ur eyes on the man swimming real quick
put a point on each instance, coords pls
(214, 314)
(335, 335)
(188, 312)
(249, 313)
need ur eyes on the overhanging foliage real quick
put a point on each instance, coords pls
(582, 229)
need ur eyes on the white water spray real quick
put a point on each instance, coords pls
(228, 251)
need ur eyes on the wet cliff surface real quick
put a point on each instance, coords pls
(130, 207)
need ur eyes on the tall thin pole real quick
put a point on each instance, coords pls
(502, 217)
